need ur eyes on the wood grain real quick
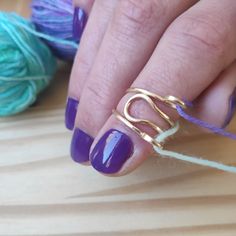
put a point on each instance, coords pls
(42, 192)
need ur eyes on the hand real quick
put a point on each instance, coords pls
(182, 48)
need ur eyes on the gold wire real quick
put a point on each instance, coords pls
(151, 99)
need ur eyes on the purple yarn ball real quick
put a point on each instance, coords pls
(55, 18)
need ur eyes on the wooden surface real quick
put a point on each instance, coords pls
(42, 192)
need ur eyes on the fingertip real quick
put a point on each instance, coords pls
(70, 112)
(80, 146)
(117, 150)
(217, 105)
(112, 150)
(84, 4)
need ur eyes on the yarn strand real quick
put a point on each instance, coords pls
(38, 34)
(204, 124)
(192, 159)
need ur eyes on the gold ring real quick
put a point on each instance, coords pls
(151, 99)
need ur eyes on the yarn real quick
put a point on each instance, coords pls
(192, 159)
(55, 18)
(204, 124)
(26, 64)
(179, 156)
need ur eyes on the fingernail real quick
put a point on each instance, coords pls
(232, 108)
(111, 152)
(80, 146)
(79, 22)
(70, 114)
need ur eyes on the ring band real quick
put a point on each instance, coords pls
(151, 99)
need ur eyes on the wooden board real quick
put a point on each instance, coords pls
(42, 192)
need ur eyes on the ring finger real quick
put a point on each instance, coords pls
(90, 42)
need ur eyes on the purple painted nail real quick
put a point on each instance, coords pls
(232, 108)
(80, 146)
(79, 22)
(71, 109)
(111, 152)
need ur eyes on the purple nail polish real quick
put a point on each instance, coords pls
(79, 22)
(70, 114)
(80, 146)
(232, 108)
(111, 152)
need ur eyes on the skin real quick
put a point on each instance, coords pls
(181, 48)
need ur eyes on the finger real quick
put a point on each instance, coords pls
(191, 54)
(86, 5)
(218, 102)
(128, 43)
(89, 45)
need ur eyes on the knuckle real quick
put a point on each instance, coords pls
(83, 65)
(166, 80)
(94, 98)
(99, 94)
(97, 97)
(200, 33)
(138, 16)
(100, 91)
(80, 71)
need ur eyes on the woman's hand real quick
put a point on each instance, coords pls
(181, 48)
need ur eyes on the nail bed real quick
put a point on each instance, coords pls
(70, 113)
(111, 152)
(80, 146)
(79, 22)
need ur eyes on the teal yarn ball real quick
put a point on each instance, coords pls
(26, 64)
